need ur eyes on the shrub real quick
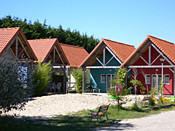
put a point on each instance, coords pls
(138, 83)
(77, 74)
(15, 84)
(42, 77)
(135, 107)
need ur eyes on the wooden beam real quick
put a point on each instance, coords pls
(144, 60)
(24, 48)
(59, 56)
(99, 61)
(93, 56)
(54, 55)
(16, 47)
(95, 67)
(109, 60)
(156, 59)
(104, 55)
(83, 80)
(149, 54)
(113, 55)
(138, 53)
(20, 53)
(161, 54)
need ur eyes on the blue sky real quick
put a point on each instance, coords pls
(127, 21)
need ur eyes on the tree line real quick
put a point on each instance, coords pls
(38, 30)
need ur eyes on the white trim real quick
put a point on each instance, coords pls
(161, 54)
(104, 55)
(91, 67)
(171, 70)
(109, 60)
(155, 59)
(146, 78)
(144, 60)
(113, 55)
(110, 79)
(149, 57)
(164, 79)
(154, 66)
(99, 61)
(101, 78)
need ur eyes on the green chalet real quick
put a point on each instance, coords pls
(103, 62)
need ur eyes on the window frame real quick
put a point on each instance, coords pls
(146, 82)
(101, 79)
(168, 80)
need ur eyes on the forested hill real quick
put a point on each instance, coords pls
(38, 30)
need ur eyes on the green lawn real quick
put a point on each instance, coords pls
(77, 121)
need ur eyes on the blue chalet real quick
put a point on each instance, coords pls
(103, 62)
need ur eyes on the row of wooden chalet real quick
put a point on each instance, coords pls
(14, 45)
(152, 62)
(103, 62)
(63, 58)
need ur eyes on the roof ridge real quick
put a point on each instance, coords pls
(117, 42)
(43, 39)
(72, 45)
(160, 39)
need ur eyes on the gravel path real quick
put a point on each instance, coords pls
(61, 104)
(159, 122)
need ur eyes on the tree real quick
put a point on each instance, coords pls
(39, 30)
(119, 79)
(15, 84)
(78, 75)
(42, 77)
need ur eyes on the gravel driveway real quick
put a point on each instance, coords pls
(159, 122)
(61, 104)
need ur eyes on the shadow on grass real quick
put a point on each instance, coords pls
(65, 123)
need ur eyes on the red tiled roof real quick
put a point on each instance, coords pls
(166, 47)
(42, 47)
(74, 54)
(120, 49)
(6, 36)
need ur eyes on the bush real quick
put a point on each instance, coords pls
(77, 74)
(151, 101)
(15, 84)
(135, 107)
(42, 78)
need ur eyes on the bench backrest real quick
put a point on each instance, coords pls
(103, 108)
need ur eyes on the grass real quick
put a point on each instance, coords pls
(76, 121)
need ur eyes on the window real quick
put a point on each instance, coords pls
(102, 78)
(166, 79)
(148, 79)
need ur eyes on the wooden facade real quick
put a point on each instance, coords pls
(146, 62)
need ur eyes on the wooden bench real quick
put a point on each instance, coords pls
(102, 111)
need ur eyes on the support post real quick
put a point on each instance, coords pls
(16, 47)
(64, 80)
(104, 55)
(54, 55)
(83, 80)
(149, 54)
